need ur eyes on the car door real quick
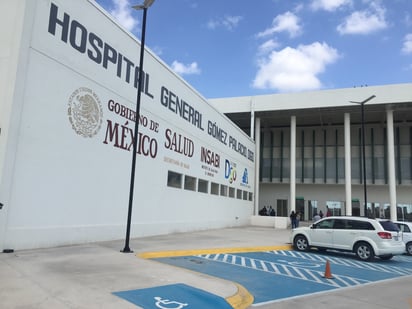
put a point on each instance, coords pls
(342, 237)
(321, 234)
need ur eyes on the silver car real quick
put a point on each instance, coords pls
(364, 236)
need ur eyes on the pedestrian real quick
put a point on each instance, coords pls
(263, 211)
(321, 214)
(272, 212)
(293, 219)
(328, 212)
(316, 217)
(297, 219)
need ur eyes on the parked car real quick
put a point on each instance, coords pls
(406, 228)
(364, 236)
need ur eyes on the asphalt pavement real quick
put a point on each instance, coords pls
(87, 275)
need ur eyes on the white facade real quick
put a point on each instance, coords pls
(309, 150)
(67, 98)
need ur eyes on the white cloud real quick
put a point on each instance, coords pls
(407, 44)
(268, 46)
(182, 69)
(364, 22)
(231, 22)
(294, 69)
(329, 5)
(122, 13)
(287, 22)
(228, 22)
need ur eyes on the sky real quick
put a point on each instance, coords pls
(231, 48)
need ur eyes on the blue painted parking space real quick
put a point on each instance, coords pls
(274, 275)
(176, 296)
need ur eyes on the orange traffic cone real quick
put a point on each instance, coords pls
(328, 274)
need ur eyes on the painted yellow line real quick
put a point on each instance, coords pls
(173, 253)
(242, 299)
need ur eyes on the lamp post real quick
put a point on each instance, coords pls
(146, 4)
(363, 150)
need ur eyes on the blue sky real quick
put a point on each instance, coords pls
(227, 48)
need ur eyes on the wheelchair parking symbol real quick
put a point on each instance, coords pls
(170, 304)
(174, 296)
(301, 264)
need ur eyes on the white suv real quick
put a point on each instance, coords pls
(363, 236)
(406, 228)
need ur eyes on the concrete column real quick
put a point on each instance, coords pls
(391, 164)
(293, 163)
(348, 175)
(257, 162)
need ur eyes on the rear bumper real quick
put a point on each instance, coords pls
(392, 249)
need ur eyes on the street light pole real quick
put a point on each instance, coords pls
(365, 196)
(144, 7)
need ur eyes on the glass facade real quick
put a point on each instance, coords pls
(320, 155)
(320, 159)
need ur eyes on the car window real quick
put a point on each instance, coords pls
(339, 224)
(359, 225)
(325, 224)
(403, 227)
(389, 226)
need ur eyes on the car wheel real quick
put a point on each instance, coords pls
(386, 257)
(364, 251)
(301, 243)
(409, 248)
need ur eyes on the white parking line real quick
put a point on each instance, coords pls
(284, 268)
(347, 262)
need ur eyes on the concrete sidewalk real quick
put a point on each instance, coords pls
(84, 276)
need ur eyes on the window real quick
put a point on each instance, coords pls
(202, 185)
(313, 208)
(215, 188)
(239, 194)
(282, 208)
(190, 183)
(231, 192)
(335, 207)
(325, 224)
(223, 190)
(404, 212)
(359, 225)
(250, 196)
(339, 224)
(174, 180)
(389, 226)
(245, 195)
(403, 227)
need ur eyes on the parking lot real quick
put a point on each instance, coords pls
(276, 275)
(200, 270)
